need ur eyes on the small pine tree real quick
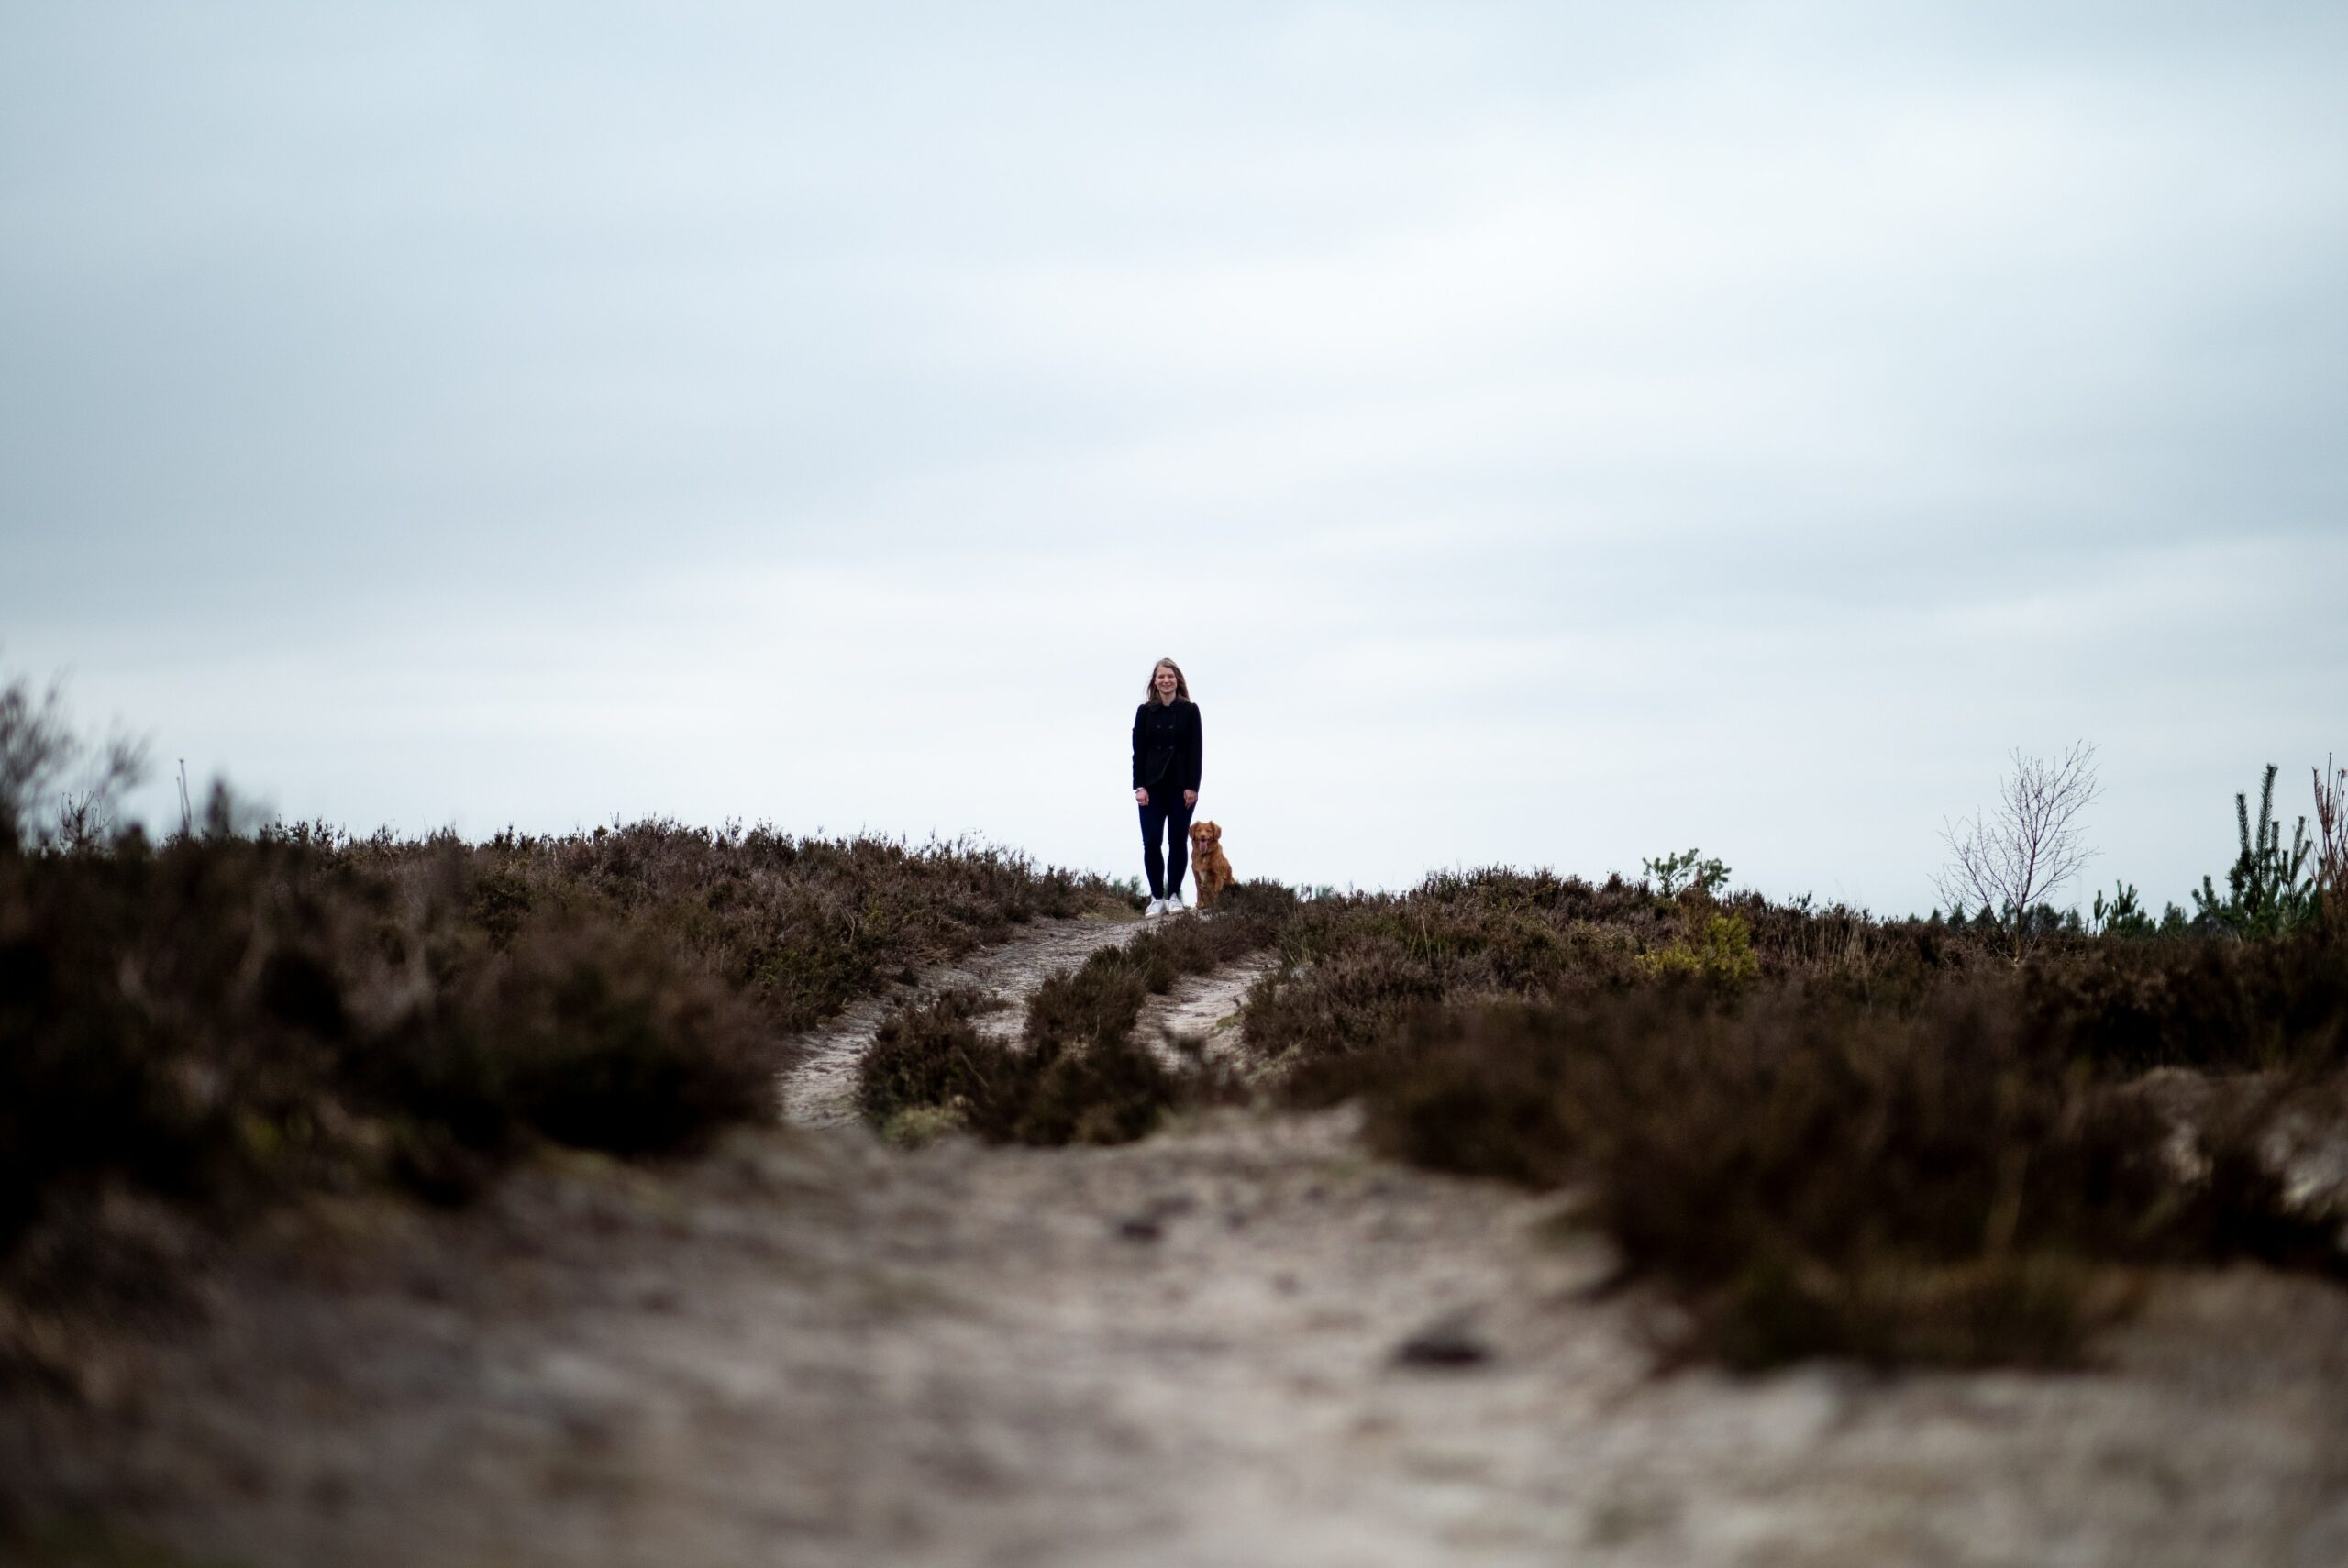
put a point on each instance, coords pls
(2267, 892)
(2123, 915)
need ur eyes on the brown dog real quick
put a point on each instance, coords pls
(1209, 868)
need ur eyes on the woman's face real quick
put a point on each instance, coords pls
(1166, 683)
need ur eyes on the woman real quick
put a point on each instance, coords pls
(1167, 751)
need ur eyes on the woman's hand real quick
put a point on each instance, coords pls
(1190, 798)
(1141, 797)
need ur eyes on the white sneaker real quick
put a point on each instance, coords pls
(1157, 907)
(1174, 904)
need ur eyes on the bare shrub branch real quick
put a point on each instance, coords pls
(43, 760)
(2332, 841)
(2012, 858)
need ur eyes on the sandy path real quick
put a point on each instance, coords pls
(1203, 1007)
(809, 1349)
(821, 1091)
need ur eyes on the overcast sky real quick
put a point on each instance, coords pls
(1545, 434)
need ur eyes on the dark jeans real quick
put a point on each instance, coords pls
(1165, 816)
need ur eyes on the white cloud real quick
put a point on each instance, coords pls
(1545, 434)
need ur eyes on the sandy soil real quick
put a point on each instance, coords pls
(1240, 1342)
(1203, 1008)
(820, 1091)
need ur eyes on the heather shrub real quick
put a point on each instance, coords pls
(1811, 1176)
(1100, 999)
(1356, 971)
(1108, 1090)
(223, 1019)
(597, 1036)
(169, 1017)
(2205, 1003)
(930, 1063)
(1323, 1028)
(1077, 1075)
(802, 925)
(228, 1017)
(1822, 1133)
(927, 1056)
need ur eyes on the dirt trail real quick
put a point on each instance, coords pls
(807, 1348)
(821, 1091)
(1205, 1006)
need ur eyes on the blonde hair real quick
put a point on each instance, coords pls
(1181, 687)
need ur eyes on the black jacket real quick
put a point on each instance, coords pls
(1168, 747)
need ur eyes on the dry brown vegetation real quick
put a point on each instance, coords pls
(1077, 1074)
(1816, 1132)
(224, 1018)
(1823, 1134)
(1819, 1133)
(2332, 843)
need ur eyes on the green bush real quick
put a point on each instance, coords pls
(1687, 869)
(1718, 949)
